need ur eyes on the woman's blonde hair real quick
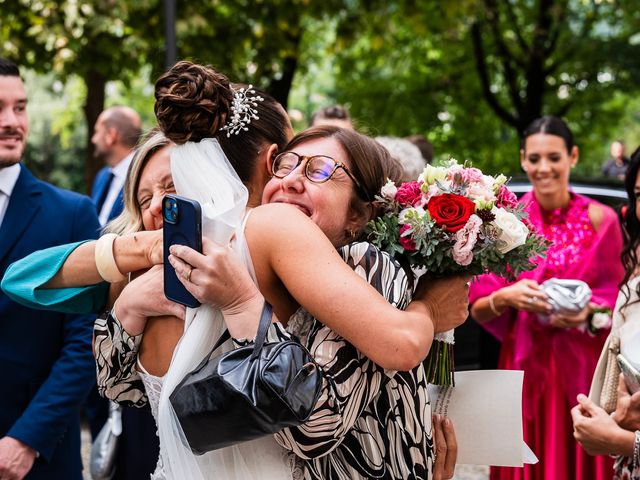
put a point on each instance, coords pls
(130, 220)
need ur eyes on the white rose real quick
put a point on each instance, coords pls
(513, 231)
(389, 190)
(600, 320)
(431, 174)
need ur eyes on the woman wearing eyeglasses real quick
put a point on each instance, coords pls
(295, 265)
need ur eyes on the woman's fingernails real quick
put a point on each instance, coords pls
(172, 259)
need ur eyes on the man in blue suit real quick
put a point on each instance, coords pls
(115, 135)
(46, 361)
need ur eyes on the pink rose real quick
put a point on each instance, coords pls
(506, 198)
(409, 194)
(466, 239)
(406, 239)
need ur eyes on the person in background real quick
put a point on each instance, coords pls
(616, 166)
(115, 135)
(46, 361)
(407, 154)
(619, 434)
(336, 115)
(425, 146)
(557, 352)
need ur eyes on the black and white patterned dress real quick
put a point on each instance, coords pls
(368, 422)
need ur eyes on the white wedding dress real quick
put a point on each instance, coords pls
(202, 172)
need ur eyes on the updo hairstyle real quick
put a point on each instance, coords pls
(551, 126)
(194, 102)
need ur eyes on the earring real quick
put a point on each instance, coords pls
(352, 233)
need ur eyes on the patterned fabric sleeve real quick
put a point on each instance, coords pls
(116, 353)
(350, 380)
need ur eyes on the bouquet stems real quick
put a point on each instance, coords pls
(439, 364)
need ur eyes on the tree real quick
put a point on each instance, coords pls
(99, 40)
(440, 68)
(546, 56)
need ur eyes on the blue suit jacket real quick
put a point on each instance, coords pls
(46, 360)
(98, 190)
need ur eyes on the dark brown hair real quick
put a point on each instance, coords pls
(194, 102)
(369, 162)
(631, 229)
(551, 126)
(8, 68)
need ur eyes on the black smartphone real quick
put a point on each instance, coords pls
(182, 225)
(630, 373)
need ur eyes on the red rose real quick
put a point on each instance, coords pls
(450, 211)
(409, 194)
(406, 241)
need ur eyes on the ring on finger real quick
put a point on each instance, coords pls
(532, 299)
(188, 275)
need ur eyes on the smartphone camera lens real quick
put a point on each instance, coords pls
(170, 210)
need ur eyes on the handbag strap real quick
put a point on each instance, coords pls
(263, 327)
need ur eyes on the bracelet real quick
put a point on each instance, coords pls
(105, 261)
(492, 306)
(636, 450)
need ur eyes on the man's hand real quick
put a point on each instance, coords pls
(447, 300)
(16, 459)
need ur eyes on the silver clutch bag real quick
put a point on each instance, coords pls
(104, 450)
(566, 296)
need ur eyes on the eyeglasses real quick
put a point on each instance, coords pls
(318, 169)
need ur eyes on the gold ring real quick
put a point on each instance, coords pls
(188, 277)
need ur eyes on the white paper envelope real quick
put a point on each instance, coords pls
(486, 409)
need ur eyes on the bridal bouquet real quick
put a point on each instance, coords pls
(455, 220)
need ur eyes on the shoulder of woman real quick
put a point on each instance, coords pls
(278, 219)
(281, 228)
(600, 214)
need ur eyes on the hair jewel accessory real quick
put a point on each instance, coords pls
(243, 110)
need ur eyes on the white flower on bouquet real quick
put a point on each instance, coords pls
(432, 174)
(600, 320)
(498, 181)
(411, 213)
(389, 190)
(513, 233)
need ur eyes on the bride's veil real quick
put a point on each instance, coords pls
(202, 172)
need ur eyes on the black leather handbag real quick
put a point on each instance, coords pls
(247, 393)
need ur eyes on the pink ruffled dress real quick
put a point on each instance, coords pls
(558, 363)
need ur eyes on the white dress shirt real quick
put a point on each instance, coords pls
(119, 177)
(8, 178)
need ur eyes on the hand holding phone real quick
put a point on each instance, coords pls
(182, 225)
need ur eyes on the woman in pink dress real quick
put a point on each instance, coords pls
(558, 353)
